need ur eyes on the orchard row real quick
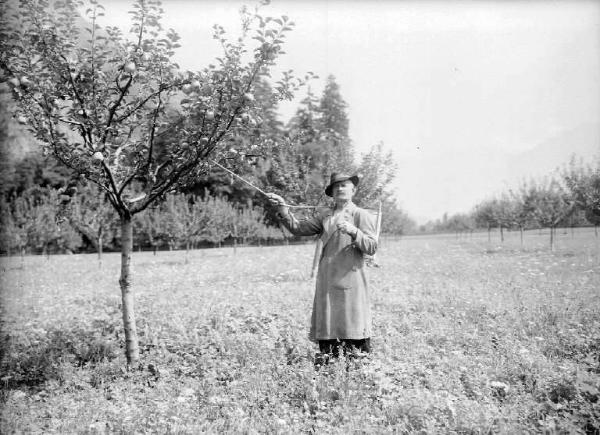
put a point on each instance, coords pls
(569, 198)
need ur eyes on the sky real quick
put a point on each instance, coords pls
(472, 97)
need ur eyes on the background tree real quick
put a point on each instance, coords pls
(151, 226)
(485, 215)
(522, 208)
(16, 223)
(221, 215)
(550, 205)
(583, 182)
(293, 171)
(394, 220)
(185, 217)
(336, 150)
(249, 223)
(377, 170)
(92, 216)
(505, 212)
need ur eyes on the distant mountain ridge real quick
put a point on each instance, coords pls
(582, 142)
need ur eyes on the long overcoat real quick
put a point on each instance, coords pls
(342, 305)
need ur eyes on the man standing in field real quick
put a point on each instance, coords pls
(341, 315)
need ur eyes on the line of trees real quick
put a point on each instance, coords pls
(41, 222)
(569, 198)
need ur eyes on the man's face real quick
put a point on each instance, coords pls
(343, 190)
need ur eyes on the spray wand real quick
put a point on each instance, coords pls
(262, 191)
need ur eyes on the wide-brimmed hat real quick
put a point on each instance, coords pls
(336, 178)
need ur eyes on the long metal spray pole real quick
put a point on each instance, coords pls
(259, 189)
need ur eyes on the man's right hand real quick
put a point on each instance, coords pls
(276, 200)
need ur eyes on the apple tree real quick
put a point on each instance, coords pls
(99, 99)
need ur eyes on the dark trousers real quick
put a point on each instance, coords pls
(344, 347)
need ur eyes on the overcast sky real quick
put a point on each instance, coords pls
(457, 89)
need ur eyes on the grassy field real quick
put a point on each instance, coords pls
(470, 337)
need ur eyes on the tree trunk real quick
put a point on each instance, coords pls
(154, 249)
(521, 231)
(187, 251)
(132, 351)
(596, 230)
(489, 234)
(100, 247)
(552, 238)
(501, 233)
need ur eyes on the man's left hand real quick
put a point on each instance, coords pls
(348, 228)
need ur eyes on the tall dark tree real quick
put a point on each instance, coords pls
(334, 125)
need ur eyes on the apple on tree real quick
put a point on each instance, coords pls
(25, 82)
(129, 67)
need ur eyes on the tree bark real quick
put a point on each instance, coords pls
(132, 351)
(551, 238)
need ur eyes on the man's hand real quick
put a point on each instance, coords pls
(348, 228)
(276, 200)
(279, 202)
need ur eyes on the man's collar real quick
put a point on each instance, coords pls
(350, 206)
